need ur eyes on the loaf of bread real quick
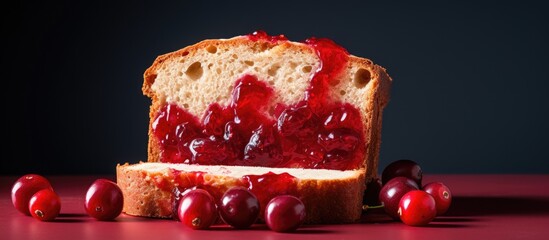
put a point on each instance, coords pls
(273, 115)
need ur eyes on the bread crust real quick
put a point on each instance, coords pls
(326, 201)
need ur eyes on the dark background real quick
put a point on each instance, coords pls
(470, 91)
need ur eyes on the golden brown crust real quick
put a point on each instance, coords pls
(326, 201)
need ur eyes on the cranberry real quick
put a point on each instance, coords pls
(239, 207)
(45, 205)
(402, 168)
(417, 208)
(197, 209)
(23, 189)
(392, 191)
(442, 195)
(104, 200)
(284, 213)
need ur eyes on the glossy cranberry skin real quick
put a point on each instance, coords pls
(284, 213)
(23, 189)
(197, 209)
(239, 207)
(104, 200)
(45, 205)
(391, 193)
(417, 208)
(442, 195)
(402, 168)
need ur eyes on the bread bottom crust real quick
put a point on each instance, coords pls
(150, 194)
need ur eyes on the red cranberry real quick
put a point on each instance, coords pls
(23, 189)
(391, 193)
(442, 195)
(402, 168)
(417, 208)
(104, 200)
(239, 207)
(197, 209)
(45, 205)
(285, 213)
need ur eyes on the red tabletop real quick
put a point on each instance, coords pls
(484, 207)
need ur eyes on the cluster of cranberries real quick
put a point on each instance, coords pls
(33, 195)
(239, 208)
(404, 198)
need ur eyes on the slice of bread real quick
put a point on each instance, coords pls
(330, 196)
(197, 76)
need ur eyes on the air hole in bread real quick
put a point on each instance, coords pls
(234, 56)
(264, 47)
(272, 83)
(335, 82)
(290, 79)
(211, 49)
(306, 69)
(194, 71)
(342, 92)
(362, 77)
(293, 65)
(210, 66)
(272, 71)
(185, 53)
(249, 63)
(185, 105)
(218, 70)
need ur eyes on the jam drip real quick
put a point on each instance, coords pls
(316, 132)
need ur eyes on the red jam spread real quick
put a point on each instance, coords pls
(317, 132)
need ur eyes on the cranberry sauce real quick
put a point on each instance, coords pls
(267, 186)
(316, 132)
(264, 187)
(262, 35)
